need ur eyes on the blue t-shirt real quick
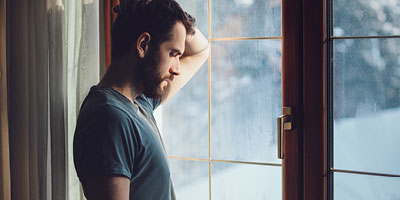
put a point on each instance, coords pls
(114, 136)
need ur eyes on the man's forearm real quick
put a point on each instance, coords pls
(195, 44)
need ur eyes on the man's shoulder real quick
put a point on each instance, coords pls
(99, 97)
(103, 104)
(104, 120)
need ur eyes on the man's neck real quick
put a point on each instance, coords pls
(120, 78)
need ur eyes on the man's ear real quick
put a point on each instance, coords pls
(142, 44)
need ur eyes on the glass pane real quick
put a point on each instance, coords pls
(366, 17)
(246, 18)
(356, 187)
(190, 179)
(366, 81)
(246, 99)
(242, 181)
(198, 9)
(185, 119)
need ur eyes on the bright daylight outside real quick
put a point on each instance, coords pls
(235, 98)
(226, 115)
(366, 99)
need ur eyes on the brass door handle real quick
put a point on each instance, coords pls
(284, 122)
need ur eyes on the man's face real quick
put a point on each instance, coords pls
(163, 65)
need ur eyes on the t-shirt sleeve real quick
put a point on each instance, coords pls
(106, 146)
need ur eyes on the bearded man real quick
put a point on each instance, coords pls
(118, 149)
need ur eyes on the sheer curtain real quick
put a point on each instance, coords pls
(53, 59)
(83, 71)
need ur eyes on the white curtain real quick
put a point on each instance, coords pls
(53, 59)
(83, 71)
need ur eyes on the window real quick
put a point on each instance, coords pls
(364, 69)
(220, 130)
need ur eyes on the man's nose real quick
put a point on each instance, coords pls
(176, 67)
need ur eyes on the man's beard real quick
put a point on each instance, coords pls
(150, 78)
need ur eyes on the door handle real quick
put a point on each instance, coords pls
(284, 123)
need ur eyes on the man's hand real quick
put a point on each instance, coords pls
(108, 188)
(197, 50)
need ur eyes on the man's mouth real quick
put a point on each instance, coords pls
(169, 79)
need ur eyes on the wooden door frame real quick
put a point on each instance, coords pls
(292, 65)
(314, 101)
(303, 88)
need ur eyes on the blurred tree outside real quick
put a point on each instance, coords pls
(366, 71)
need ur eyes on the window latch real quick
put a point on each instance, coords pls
(284, 123)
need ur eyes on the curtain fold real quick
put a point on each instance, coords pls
(53, 60)
(18, 98)
(28, 119)
(41, 33)
(5, 192)
(32, 139)
(57, 110)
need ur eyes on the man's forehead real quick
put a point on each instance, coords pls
(178, 36)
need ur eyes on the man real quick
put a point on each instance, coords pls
(118, 150)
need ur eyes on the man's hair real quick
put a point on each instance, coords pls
(157, 17)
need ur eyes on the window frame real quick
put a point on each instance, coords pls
(329, 38)
(304, 84)
(314, 99)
